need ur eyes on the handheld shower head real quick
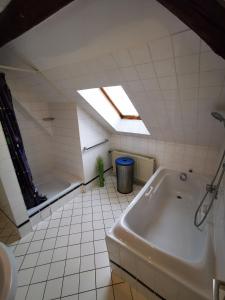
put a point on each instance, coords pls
(218, 117)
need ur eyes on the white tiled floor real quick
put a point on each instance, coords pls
(66, 256)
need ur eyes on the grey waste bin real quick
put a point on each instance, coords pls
(124, 174)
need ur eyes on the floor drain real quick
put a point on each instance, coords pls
(179, 197)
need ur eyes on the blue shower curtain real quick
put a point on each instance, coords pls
(15, 144)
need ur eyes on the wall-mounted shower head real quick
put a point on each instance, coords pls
(219, 117)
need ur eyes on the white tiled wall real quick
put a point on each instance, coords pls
(91, 133)
(172, 155)
(50, 145)
(11, 199)
(36, 134)
(65, 140)
(174, 81)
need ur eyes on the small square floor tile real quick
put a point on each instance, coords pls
(56, 215)
(50, 233)
(59, 254)
(72, 266)
(70, 285)
(87, 237)
(101, 260)
(40, 273)
(100, 246)
(39, 235)
(87, 248)
(77, 212)
(21, 249)
(45, 257)
(73, 251)
(21, 293)
(103, 277)
(53, 289)
(76, 220)
(67, 213)
(98, 224)
(75, 228)
(74, 238)
(36, 291)
(24, 277)
(63, 230)
(99, 234)
(87, 226)
(19, 260)
(87, 281)
(35, 246)
(87, 218)
(65, 221)
(97, 216)
(87, 263)
(30, 260)
(56, 269)
(43, 225)
(48, 244)
(91, 295)
(61, 241)
(54, 223)
(109, 222)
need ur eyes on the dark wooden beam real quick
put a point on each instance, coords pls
(205, 17)
(21, 15)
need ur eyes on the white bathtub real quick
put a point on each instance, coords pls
(156, 242)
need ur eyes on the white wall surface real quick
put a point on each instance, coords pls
(11, 199)
(91, 133)
(177, 156)
(65, 150)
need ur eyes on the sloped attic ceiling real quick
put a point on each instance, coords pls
(172, 77)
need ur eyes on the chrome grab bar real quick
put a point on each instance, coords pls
(147, 194)
(217, 286)
(88, 148)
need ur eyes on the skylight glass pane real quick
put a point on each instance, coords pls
(98, 101)
(121, 100)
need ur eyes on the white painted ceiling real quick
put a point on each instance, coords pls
(3, 4)
(171, 76)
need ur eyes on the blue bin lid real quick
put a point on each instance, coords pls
(124, 161)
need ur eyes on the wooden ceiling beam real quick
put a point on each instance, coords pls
(205, 17)
(21, 15)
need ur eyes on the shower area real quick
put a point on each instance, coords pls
(51, 139)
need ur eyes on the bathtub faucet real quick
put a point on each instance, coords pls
(183, 176)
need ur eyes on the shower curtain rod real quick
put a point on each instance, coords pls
(17, 69)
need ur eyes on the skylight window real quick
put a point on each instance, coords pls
(113, 104)
(115, 96)
(121, 101)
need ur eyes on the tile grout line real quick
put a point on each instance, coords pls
(100, 201)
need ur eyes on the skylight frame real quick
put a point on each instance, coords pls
(122, 116)
(106, 109)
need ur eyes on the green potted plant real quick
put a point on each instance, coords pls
(100, 168)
